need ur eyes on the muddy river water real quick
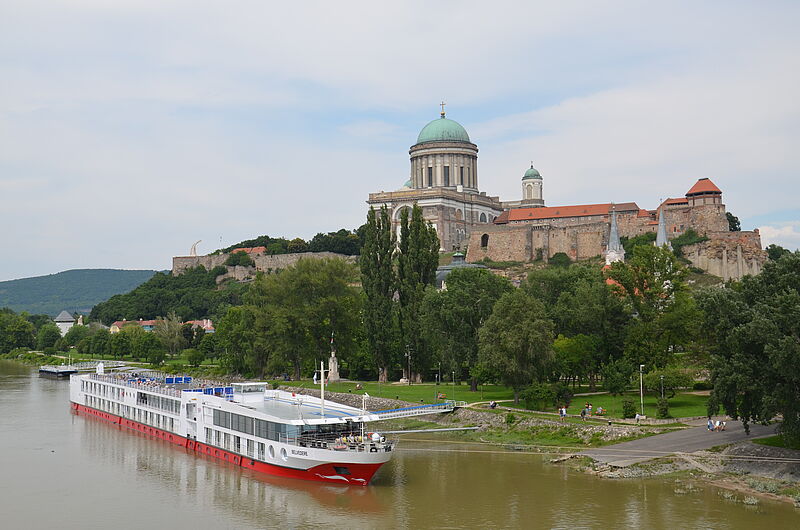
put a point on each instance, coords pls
(61, 470)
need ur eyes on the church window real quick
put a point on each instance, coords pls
(484, 240)
(430, 177)
(446, 175)
(461, 176)
(483, 217)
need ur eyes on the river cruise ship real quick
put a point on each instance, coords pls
(246, 424)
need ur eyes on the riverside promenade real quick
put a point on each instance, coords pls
(683, 441)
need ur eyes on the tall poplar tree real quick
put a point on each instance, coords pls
(416, 269)
(378, 281)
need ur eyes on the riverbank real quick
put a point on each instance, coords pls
(744, 472)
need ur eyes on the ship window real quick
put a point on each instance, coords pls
(271, 452)
(340, 470)
(284, 456)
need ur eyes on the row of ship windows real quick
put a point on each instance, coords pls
(259, 428)
(132, 413)
(252, 448)
(142, 398)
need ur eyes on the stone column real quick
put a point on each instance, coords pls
(725, 275)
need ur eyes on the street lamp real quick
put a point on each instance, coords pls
(408, 354)
(641, 386)
(662, 386)
(454, 384)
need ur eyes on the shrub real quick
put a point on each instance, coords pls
(240, 258)
(563, 394)
(560, 259)
(703, 385)
(538, 396)
(194, 357)
(50, 350)
(510, 419)
(628, 408)
(662, 408)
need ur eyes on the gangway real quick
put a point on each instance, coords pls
(65, 370)
(418, 410)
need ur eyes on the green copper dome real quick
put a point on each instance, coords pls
(443, 130)
(532, 173)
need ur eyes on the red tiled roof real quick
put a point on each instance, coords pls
(703, 185)
(502, 218)
(681, 200)
(251, 250)
(579, 210)
(643, 213)
(120, 323)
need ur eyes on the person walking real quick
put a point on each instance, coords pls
(562, 412)
(583, 414)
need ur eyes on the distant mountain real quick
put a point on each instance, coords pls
(75, 290)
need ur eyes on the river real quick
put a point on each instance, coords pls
(61, 470)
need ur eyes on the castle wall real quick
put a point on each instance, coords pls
(263, 262)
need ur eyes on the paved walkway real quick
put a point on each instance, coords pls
(683, 441)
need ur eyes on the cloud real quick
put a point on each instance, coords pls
(128, 130)
(786, 235)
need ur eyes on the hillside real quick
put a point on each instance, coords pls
(74, 290)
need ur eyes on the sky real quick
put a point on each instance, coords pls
(130, 130)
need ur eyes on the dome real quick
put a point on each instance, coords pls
(443, 130)
(408, 184)
(532, 173)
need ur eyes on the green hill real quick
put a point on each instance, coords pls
(75, 290)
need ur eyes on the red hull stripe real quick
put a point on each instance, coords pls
(360, 474)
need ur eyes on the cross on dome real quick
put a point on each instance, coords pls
(442, 104)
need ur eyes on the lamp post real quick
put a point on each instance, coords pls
(454, 385)
(641, 386)
(408, 355)
(662, 387)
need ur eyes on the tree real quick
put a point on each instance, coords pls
(75, 334)
(454, 316)
(169, 331)
(416, 268)
(378, 282)
(559, 259)
(194, 357)
(670, 379)
(47, 336)
(516, 341)
(241, 259)
(120, 343)
(101, 343)
(298, 311)
(753, 331)
(733, 222)
(574, 356)
(15, 331)
(236, 336)
(147, 346)
(666, 315)
(617, 376)
(775, 252)
(297, 245)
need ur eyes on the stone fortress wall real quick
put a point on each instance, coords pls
(267, 263)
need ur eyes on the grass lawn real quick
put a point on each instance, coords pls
(681, 406)
(774, 441)
(423, 392)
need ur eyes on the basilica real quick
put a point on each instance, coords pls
(444, 183)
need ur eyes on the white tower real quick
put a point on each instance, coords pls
(532, 188)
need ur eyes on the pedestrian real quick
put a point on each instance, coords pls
(710, 424)
(590, 409)
(315, 378)
(562, 412)
(583, 414)
(638, 417)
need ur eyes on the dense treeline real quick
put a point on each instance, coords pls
(343, 241)
(193, 295)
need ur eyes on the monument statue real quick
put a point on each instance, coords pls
(333, 368)
(193, 250)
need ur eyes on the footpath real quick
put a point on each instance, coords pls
(684, 441)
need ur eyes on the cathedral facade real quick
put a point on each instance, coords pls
(443, 181)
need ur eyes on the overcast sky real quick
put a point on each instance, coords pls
(129, 130)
